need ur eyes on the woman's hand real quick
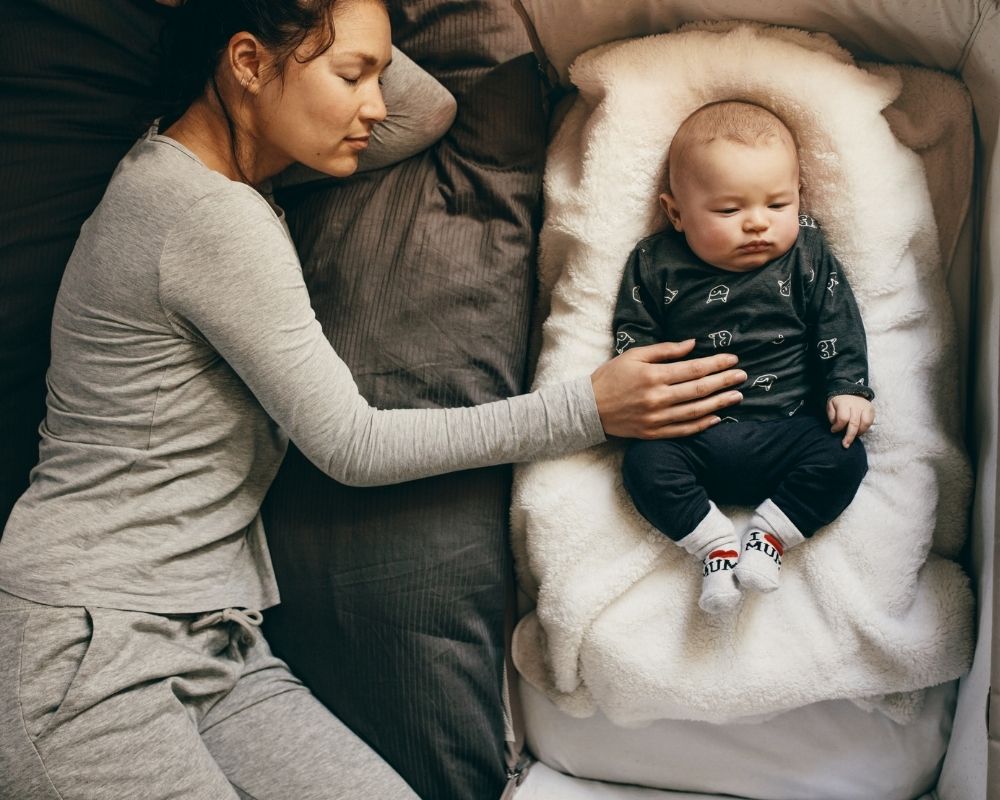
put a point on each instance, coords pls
(640, 398)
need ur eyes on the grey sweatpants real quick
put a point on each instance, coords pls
(99, 704)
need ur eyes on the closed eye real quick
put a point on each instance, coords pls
(350, 81)
(779, 206)
(726, 210)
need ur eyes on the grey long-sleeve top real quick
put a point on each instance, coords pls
(184, 352)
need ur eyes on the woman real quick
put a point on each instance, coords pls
(134, 569)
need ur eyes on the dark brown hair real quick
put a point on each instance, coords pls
(197, 33)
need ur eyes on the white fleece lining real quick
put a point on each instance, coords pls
(875, 595)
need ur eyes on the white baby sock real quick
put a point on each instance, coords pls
(762, 545)
(713, 542)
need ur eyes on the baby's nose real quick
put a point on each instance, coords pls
(755, 221)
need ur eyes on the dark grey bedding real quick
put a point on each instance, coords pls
(72, 75)
(393, 598)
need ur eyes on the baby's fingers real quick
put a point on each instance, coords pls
(867, 419)
(838, 419)
(853, 425)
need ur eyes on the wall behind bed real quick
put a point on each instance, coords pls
(981, 73)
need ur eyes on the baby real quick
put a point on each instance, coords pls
(740, 270)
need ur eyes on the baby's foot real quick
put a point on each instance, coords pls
(759, 567)
(719, 592)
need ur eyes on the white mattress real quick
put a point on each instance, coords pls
(543, 783)
(825, 751)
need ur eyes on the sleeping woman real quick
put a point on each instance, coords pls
(185, 355)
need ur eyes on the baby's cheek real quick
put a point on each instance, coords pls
(789, 232)
(721, 238)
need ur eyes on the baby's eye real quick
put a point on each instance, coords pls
(779, 206)
(726, 210)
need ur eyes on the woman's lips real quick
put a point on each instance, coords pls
(357, 142)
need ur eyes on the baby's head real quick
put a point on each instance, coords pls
(733, 185)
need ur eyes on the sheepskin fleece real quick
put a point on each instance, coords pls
(872, 608)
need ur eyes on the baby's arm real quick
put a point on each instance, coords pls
(840, 346)
(635, 322)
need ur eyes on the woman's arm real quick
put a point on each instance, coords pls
(419, 112)
(230, 274)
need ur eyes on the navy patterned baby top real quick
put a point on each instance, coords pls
(794, 322)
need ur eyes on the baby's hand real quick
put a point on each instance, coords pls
(852, 412)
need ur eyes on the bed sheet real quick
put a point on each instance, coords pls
(830, 751)
(543, 783)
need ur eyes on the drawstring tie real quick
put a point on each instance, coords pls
(249, 621)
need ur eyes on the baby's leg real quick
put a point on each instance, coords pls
(661, 477)
(816, 480)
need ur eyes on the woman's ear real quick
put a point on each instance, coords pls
(244, 61)
(670, 208)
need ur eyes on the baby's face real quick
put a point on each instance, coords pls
(737, 205)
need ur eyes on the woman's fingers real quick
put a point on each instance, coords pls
(662, 351)
(693, 409)
(639, 397)
(704, 385)
(676, 429)
(685, 419)
(680, 371)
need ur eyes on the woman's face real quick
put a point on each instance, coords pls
(321, 112)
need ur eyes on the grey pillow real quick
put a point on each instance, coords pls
(393, 598)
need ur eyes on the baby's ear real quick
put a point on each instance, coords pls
(669, 206)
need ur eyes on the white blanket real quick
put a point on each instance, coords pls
(871, 607)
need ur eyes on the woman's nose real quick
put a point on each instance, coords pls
(373, 109)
